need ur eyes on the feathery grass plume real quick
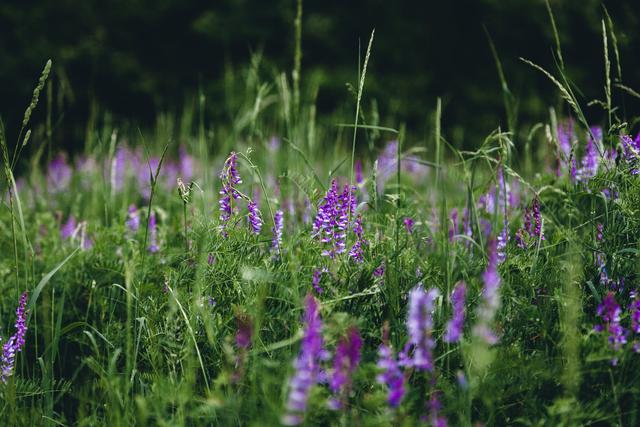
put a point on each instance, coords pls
(16, 342)
(418, 353)
(153, 234)
(36, 94)
(456, 324)
(345, 362)
(609, 311)
(490, 302)
(307, 365)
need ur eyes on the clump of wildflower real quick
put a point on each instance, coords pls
(244, 333)
(332, 221)
(230, 179)
(590, 160)
(502, 240)
(418, 353)
(456, 324)
(609, 311)
(255, 218)
(133, 219)
(378, 273)
(565, 143)
(317, 275)
(631, 152)
(388, 165)
(391, 375)
(490, 298)
(68, 228)
(153, 234)
(58, 174)
(500, 197)
(532, 226)
(408, 224)
(278, 224)
(453, 224)
(356, 252)
(307, 364)
(435, 418)
(345, 362)
(634, 312)
(16, 342)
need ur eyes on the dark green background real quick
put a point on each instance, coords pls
(136, 58)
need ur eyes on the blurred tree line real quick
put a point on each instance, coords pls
(137, 58)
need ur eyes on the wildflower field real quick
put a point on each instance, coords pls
(280, 268)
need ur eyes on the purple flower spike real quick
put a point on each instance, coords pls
(358, 172)
(456, 324)
(453, 228)
(391, 376)
(230, 179)
(68, 227)
(490, 298)
(356, 252)
(133, 219)
(307, 364)
(609, 311)
(345, 362)
(58, 174)
(153, 234)
(317, 275)
(420, 329)
(631, 151)
(278, 219)
(408, 224)
(16, 342)
(244, 332)
(255, 218)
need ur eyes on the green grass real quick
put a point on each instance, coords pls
(121, 336)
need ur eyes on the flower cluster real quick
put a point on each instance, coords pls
(609, 311)
(391, 375)
(532, 226)
(490, 298)
(345, 362)
(456, 324)
(278, 225)
(631, 152)
(356, 252)
(230, 179)
(332, 221)
(16, 342)
(133, 219)
(307, 365)
(153, 234)
(255, 218)
(418, 352)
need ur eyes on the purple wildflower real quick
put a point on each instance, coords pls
(230, 179)
(68, 228)
(634, 311)
(609, 311)
(379, 273)
(599, 235)
(456, 324)
(490, 298)
(590, 161)
(153, 234)
(565, 143)
(133, 219)
(453, 227)
(391, 376)
(345, 362)
(317, 276)
(58, 174)
(356, 252)
(185, 164)
(307, 364)
(358, 172)
(278, 219)
(16, 342)
(435, 419)
(631, 151)
(211, 259)
(388, 164)
(331, 222)
(420, 329)
(408, 224)
(244, 331)
(255, 219)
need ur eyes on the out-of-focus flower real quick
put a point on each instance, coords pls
(490, 298)
(345, 362)
(153, 234)
(133, 219)
(418, 353)
(391, 376)
(278, 219)
(456, 324)
(58, 174)
(609, 311)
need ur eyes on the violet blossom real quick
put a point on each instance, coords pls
(278, 219)
(230, 179)
(153, 234)
(16, 342)
(609, 311)
(490, 302)
(345, 362)
(418, 352)
(133, 219)
(456, 324)
(307, 364)
(255, 218)
(391, 375)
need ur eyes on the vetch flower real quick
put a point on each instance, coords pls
(609, 311)
(345, 362)
(68, 228)
(278, 219)
(230, 179)
(490, 298)
(408, 224)
(307, 364)
(391, 375)
(456, 324)
(58, 174)
(133, 219)
(418, 353)
(317, 275)
(153, 234)
(16, 342)
(255, 218)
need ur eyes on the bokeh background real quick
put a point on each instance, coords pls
(140, 58)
